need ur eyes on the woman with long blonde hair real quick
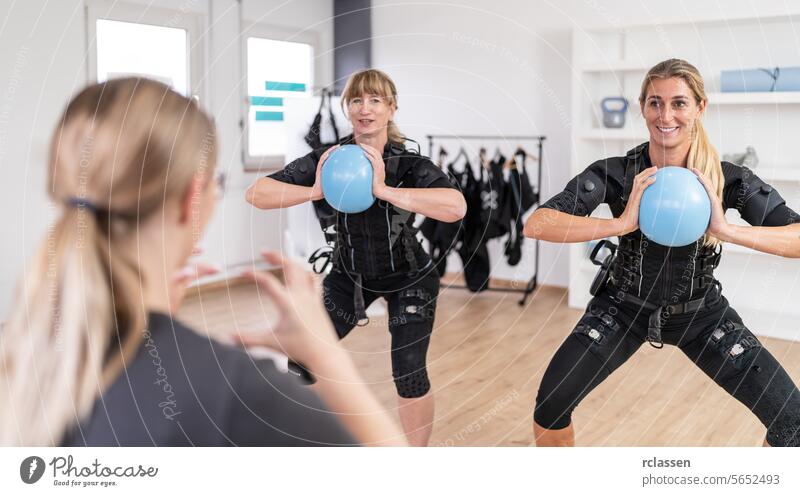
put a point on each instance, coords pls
(659, 294)
(376, 251)
(92, 353)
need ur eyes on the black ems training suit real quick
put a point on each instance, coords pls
(659, 294)
(377, 255)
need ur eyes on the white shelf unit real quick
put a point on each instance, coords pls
(615, 66)
(613, 62)
(763, 98)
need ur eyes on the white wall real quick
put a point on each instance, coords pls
(42, 64)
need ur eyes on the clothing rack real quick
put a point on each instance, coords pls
(533, 282)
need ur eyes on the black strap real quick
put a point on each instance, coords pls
(392, 169)
(408, 235)
(409, 238)
(654, 328)
(313, 136)
(322, 253)
(631, 169)
(358, 301)
(330, 114)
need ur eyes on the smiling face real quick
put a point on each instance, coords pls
(670, 110)
(370, 114)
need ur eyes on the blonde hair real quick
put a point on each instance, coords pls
(702, 154)
(121, 151)
(374, 82)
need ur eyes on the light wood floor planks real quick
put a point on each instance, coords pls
(488, 355)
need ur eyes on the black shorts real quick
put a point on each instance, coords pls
(412, 308)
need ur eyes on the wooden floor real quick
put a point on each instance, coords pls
(488, 355)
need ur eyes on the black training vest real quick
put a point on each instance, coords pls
(655, 273)
(381, 240)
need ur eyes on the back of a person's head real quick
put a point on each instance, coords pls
(122, 152)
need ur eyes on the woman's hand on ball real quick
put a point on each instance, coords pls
(718, 225)
(316, 190)
(378, 170)
(629, 220)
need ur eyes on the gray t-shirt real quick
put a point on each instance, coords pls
(184, 389)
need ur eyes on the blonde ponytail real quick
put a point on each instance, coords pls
(60, 335)
(703, 156)
(121, 151)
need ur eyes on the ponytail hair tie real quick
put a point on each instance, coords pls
(75, 202)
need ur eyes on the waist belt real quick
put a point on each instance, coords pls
(658, 312)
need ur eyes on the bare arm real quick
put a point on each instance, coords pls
(549, 224)
(267, 193)
(783, 241)
(444, 204)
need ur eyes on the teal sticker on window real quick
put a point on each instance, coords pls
(263, 115)
(266, 101)
(282, 86)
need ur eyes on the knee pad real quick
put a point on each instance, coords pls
(409, 360)
(785, 429)
(551, 412)
(413, 385)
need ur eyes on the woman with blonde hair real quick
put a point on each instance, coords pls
(659, 294)
(376, 251)
(92, 353)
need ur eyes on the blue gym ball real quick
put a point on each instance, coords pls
(347, 180)
(675, 209)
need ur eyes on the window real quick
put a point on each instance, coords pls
(137, 40)
(276, 71)
(157, 52)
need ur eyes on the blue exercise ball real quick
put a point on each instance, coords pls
(347, 180)
(675, 209)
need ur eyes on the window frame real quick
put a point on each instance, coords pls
(192, 21)
(265, 163)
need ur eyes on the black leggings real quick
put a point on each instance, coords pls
(412, 308)
(714, 338)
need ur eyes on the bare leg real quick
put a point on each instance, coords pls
(416, 416)
(766, 444)
(553, 437)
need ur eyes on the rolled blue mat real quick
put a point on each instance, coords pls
(749, 80)
(754, 80)
(788, 79)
